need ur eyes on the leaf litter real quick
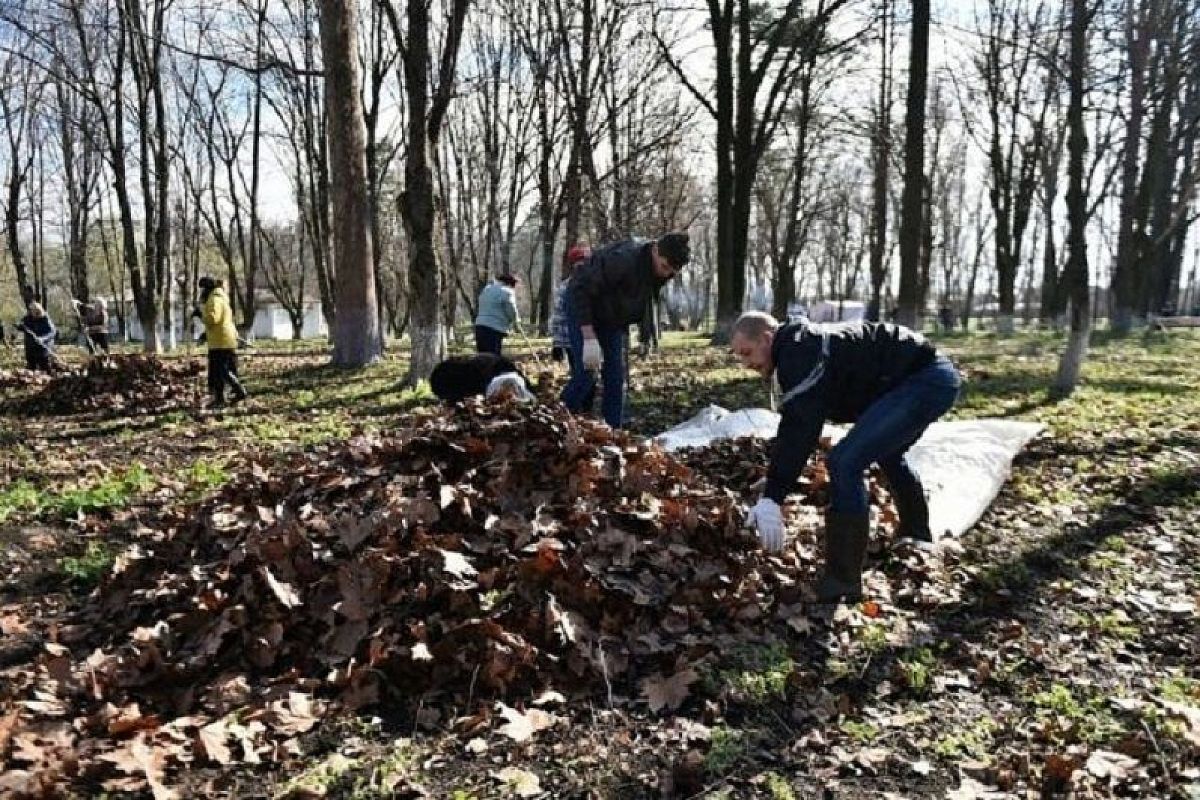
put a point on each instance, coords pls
(485, 552)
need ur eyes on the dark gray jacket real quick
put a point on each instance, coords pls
(833, 372)
(613, 288)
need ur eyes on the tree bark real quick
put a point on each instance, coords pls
(908, 300)
(1075, 277)
(356, 335)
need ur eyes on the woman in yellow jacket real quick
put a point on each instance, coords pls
(221, 335)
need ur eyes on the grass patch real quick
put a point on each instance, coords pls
(113, 490)
(1068, 716)
(88, 569)
(726, 747)
(974, 741)
(20, 498)
(860, 732)
(916, 670)
(756, 675)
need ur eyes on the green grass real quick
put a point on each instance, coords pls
(113, 490)
(754, 674)
(88, 569)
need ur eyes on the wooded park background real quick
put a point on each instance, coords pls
(1007, 159)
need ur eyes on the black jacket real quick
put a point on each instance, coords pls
(39, 332)
(614, 287)
(460, 377)
(833, 372)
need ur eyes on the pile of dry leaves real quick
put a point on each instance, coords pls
(20, 380)
(125, 384)
(485, 552)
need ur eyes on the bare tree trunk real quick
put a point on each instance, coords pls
(914, 169)
(356, 335)
(1075, 277)
(418, 203)
(1124, 279)
(880, 152)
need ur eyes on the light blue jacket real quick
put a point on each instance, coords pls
(497, 307)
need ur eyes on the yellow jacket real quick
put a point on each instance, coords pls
(219, 330)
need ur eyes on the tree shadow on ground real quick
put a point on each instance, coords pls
(1010, 586)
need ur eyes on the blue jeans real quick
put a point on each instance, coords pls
(577, 395)
(885, 432)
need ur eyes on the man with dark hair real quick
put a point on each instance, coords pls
(221, 336)
(497, 314)
(886, 379)
(609, 292)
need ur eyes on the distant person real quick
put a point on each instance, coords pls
(608, 293)
(946, 319)
(497, 314)
(887, 380)
(560, 338)
(221, 337)
(95, 321)
(39, 333)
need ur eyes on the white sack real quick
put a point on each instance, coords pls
(962, 463)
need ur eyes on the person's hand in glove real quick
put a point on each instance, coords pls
(591, 354)
(767, 519)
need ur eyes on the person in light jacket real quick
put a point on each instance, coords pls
(497, 314)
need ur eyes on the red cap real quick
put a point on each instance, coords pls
(578, 253)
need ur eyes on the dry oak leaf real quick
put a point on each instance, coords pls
(522, 725)
(523, 783)
(1115, 766)
(285, 592)
(669, 693)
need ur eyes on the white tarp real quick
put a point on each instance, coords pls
(962, 463)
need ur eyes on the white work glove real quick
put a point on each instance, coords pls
(767, 519)
(591, 354)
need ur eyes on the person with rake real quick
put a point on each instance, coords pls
(39, 333)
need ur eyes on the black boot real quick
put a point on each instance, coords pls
(914, 514)
(845, 546)
(239, 391)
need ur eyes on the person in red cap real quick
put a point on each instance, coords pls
(560, 337)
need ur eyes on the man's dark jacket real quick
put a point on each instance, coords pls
(833, 372)
(37, 330)
(614, 287)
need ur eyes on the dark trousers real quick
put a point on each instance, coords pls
(488, 340)
(99, 340)
(222, 372)
(581, 386)
(37, 358)
(883, 435)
